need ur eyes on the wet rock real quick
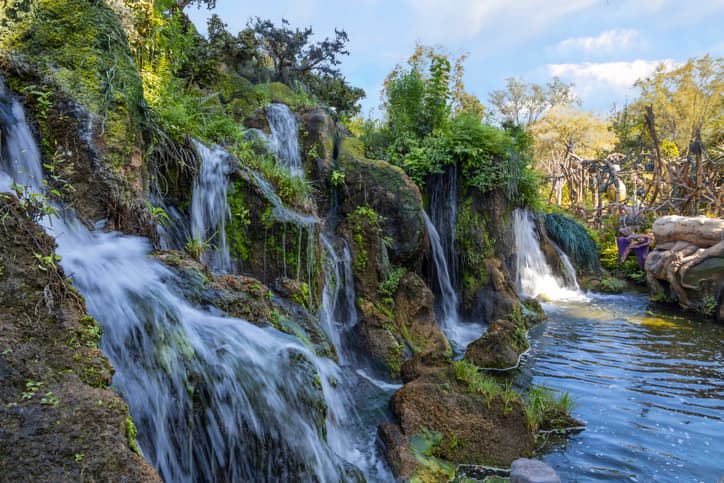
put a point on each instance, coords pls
(379, 337)
(525, 470)
(396, 448)
(465, 427)
(415, 318)
(498, 348)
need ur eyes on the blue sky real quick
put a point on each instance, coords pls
(602, 46)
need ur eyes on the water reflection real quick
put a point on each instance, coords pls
(649, 386)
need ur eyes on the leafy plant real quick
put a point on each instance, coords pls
(196, 247)
(574, 240)
(388, 286)
(542, 402)
(158, 214)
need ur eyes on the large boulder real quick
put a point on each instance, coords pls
(388, 191)
(415, 318)
(471, 429)
(486, 249)
(687, 265)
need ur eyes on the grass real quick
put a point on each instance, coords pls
(542, 402)
(477, 381)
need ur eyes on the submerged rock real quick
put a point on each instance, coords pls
(525, 470)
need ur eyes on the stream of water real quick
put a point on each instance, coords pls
(650, 387)
(218, 398)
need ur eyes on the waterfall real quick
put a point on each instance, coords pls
(443, 213)
(18, 149)
(533, 275)
(459, 333)
(302, 222)
(214, 398)
(284, 137)
(210, 207)
(338, 311)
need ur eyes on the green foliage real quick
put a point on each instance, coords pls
(521, 104)
(542, 403)
(337, 178)
(709, 305)
(477, 381)
(158, 214)
(195, 247)
(293, 190)
(612, 285)
(574, 240)
(388, 286)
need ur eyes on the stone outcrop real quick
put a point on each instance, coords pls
(442, 423)
(687, 265)
(58, 420)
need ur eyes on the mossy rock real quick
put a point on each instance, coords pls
(391, 194)
(500, 347)
(270, 246)
(276, 92)
(442, 419)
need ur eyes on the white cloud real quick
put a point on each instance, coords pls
(607, 42)
(613, 81)
(447, 20)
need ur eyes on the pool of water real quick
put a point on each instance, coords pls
(650, 388)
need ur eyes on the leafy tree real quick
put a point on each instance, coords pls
(293, 57)
(181, 4)
(686, 101)
(523, 104)
(565, 129)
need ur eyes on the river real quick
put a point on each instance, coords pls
(649, 386)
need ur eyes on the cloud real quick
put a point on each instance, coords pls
(613, 81)
(611, 41)
(445, 20)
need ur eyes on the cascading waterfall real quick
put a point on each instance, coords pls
(459, 333)
(443, 213)
(18, 147)
(338, 311)
(284, 137)
(210, 207)
(214, 398)
(533, 275)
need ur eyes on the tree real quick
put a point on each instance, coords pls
(181, 4)
(522, 104)
(686, 100)
(421, 96)
(293, 57)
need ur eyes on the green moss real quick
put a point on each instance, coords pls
(473, 242)
(430, 468)
(81, 48)
(612, 285)
(131, 433)
(395, 358)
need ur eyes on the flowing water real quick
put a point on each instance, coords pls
(284, 139)
(533, 275)
(443, 208)
(210, 206)
(214, 398)
(458, 332)
(218, 398)
(649, 387)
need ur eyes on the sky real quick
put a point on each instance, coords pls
(601, 46)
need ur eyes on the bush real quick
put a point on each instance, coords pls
(574, 240)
